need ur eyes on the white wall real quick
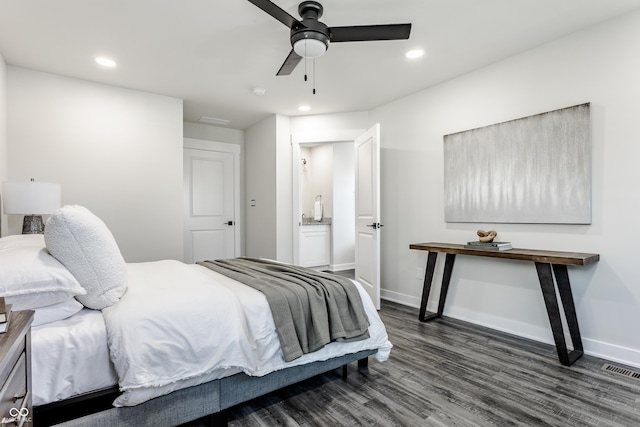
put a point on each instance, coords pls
(4, 154)
(269, 231)
(321, 124)
(116, 151)
(213, 133)
(306, 178)
(343, 227)
(321, 164)
(600, 65)
(260, 186)
(316, 178)
(284, 194)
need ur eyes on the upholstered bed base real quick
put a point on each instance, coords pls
(211, 399)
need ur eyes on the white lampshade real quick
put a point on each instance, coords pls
(309, 48)
(30, 197)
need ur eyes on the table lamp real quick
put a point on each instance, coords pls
(31, 199)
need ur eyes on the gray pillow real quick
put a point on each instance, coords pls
(85, 246)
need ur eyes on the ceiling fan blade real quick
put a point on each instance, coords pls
(289, 64)
(277, 13)
(363, 33)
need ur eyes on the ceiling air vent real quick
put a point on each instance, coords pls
(214, 121)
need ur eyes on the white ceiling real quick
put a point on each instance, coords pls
(211, 53)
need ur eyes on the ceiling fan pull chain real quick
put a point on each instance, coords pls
(305, 62)
(314, 76)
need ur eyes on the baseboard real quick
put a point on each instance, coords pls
(342, 267)
(603, 350)
(612, 352)
(399, 298)
(320, 268)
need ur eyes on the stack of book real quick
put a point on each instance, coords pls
(5, 315)
(491, 246)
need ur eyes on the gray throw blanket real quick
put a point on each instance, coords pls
(310, 308)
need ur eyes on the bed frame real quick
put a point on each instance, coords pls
(209, 401)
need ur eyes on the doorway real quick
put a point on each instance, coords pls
(327, 176)
(302, 142)
(366, 216)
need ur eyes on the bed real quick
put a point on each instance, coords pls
(155, 343)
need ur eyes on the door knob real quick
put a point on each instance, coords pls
(375, 225)
(229, 222)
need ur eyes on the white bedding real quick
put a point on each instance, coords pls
(178, 325)
(212, 326)
(70, 357)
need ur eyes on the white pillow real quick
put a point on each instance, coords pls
(20, 240)
(84, 244)
(55, 312)
(30, 277)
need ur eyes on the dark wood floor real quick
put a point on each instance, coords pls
(451, 373)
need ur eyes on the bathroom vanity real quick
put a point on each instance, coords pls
(315, 243)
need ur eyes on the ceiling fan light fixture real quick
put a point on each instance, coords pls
(309, 48)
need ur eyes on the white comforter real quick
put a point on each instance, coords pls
(182, 324)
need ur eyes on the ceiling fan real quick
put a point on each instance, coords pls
(310, 38)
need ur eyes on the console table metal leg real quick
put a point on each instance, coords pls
(446, 278)
(564, 289)
(423, 315)
(553, 311)
(426, 287)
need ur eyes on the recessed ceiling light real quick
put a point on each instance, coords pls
(105, 62)
(304, 108)
(415, 53)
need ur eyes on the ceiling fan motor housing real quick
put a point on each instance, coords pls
(313, 29)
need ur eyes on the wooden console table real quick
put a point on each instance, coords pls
(545, 262)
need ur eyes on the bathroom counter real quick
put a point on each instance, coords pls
(323, 221)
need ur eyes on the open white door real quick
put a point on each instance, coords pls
(210, 225)
(367, 168)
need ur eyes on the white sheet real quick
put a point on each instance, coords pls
(70, 357)
(211, 327)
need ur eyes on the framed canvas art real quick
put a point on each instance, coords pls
(536, 169)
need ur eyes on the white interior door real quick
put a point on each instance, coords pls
(210, 225)
(367, 169)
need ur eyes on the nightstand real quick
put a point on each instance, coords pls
(15, 371)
